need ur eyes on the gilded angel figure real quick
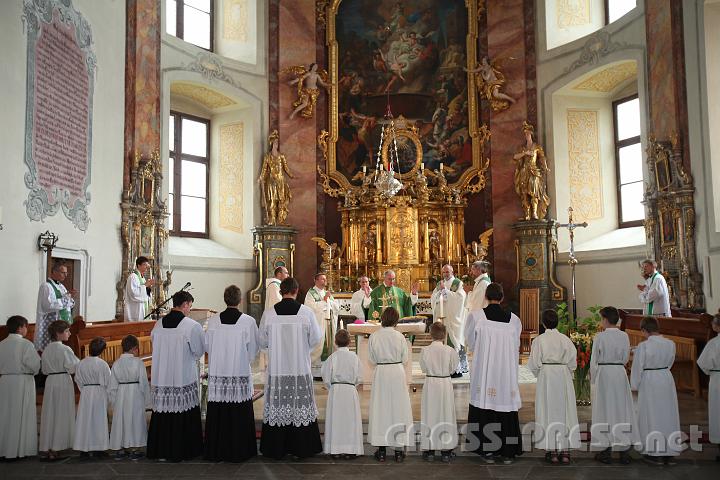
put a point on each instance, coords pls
(275, 190)
(489, 83)
(307, 80)
(531, 177)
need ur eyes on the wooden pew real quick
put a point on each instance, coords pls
(30, 334)
(689, 332)
(81, 334)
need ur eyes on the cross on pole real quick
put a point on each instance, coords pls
(572, 261)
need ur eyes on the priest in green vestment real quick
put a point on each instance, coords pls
(388, 295)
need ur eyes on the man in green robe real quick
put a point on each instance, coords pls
(388, 295)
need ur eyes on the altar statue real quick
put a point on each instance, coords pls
(489, 83)
(530, 177)
(388, 295)
(307, 81)
(275, 190)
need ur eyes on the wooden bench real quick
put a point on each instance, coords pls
(81, 334)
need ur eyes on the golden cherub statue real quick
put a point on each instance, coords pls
(307, 80)
(489, 82)
(530, 177)
(275, 190)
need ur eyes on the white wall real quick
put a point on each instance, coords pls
(23, 262)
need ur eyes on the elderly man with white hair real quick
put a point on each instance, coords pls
(388, 295)
(448, 305)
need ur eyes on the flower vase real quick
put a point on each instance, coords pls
(581, 382)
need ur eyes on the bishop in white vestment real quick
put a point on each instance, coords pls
(448, 306)
(493, 336)
(343, 419)
(709, 362)
(57, 417)
(326, 310)
(231, 343)
(439, 423)
(360, 300)
(92, 376)
(654, 294)
(129, 395)
(553, 359)
(18, 417)
(289, 332)
(175, 431)
(614, 426)
(657, 405)
(54, 303)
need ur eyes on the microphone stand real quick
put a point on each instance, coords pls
(156, 310)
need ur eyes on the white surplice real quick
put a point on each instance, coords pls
(136, 298)
(553, 359)
(390, 415)
(476, 298)
(439, 423)
(231, 349)
(289, 394)
(48, 307)
(325, 312)
(57, 417)
(453, 309)
(496, 357)
(19, 361)
(657, 408)
(358, 302)
(613, 413)
(92, 376)
(129, 395)
(174, 371)
(655, 297)
(343, 420)
(709, 362)
(272, 292)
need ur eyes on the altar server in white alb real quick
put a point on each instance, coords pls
(360, 301)
(553, 359)
(289, 332)
(493, 335)
(476, 292)
(92, 376)
(18, 416)
(326, 310)
(448, 306)
(709, 362)
(390, 415)
(614, 426)
(272, 287)
(57, 417)
(343, 420)
(137, 291)
(55, 302)
(654, 294)
(129, 395)
(657, 405)
(439, 424)
(175, 431)
(231, 343)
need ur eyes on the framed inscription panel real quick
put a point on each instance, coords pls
(58, 113)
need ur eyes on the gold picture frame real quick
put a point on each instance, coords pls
(409, 150)
(473, 177)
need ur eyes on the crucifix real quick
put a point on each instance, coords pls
(572, 261)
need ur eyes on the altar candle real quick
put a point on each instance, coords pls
(356, 262)
(366, 257)
(442, 303)
(475, 248)
(364, 169)
(441, 167)
(458, 251)
(422, 167)
(338, 264)
(467, 260)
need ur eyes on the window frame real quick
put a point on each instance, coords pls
(606, 4)
(180, 23)
(618, 145)
(176, 156)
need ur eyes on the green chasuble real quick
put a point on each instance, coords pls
(382, 297)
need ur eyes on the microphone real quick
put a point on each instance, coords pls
(186, 286)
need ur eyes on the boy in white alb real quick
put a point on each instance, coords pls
(343, 421)
(92, 376)
(439, 424)
(129, 395)
(709, 362)
(57, 417)
(613, 415)
(657, 407)
(19, 361)
(553, 359)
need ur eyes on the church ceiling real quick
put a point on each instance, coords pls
(609, 78)
(202, 95)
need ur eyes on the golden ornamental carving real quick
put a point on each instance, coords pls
(610, 78)
(490, 81)
(307, 81)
